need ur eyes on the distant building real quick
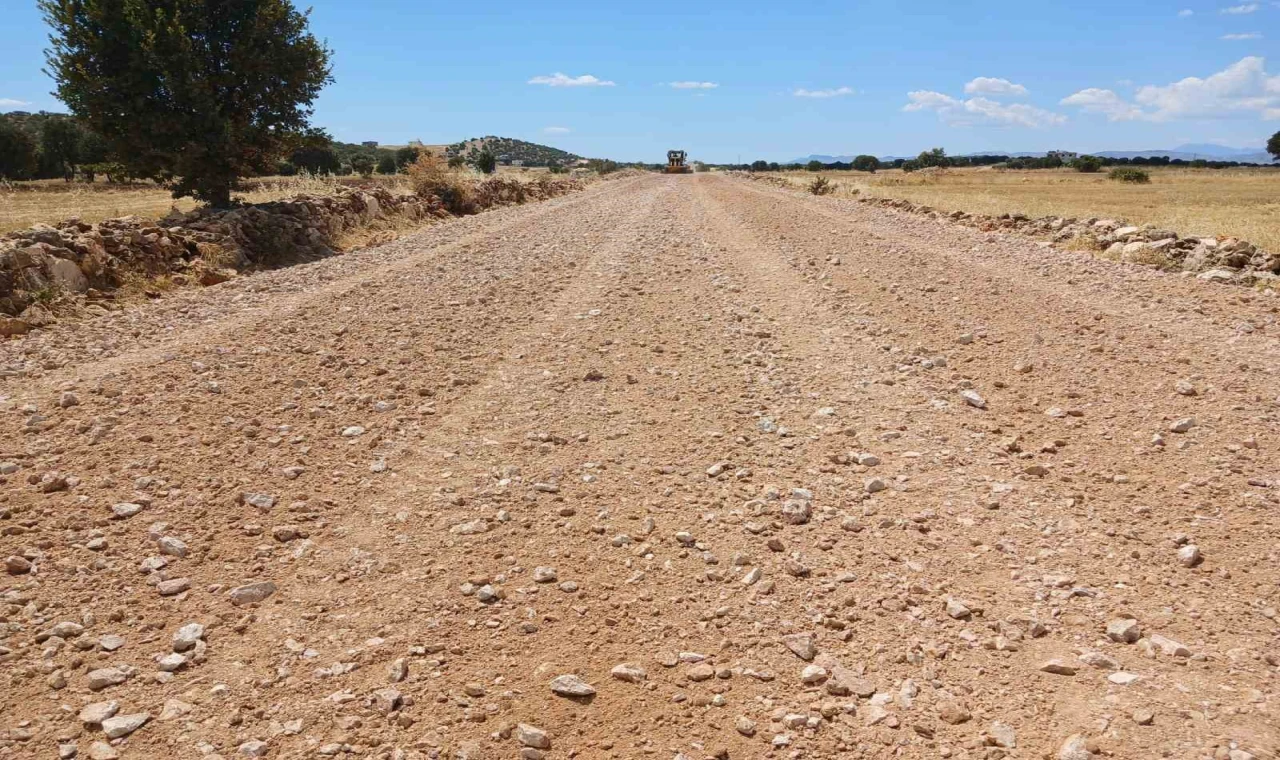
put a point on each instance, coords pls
(370, 143)
(1065, 156)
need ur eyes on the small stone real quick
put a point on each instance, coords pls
(252, 593)
(953, 713)
(545, 575)
(1143, 717)
(174, 709)
(386, 701)
(1003, 735)
(1058, 667)
(104, 677)
(1183, 425)
(957, 609)
(1076, 747)
(174, 547)
(171, 662)
(187, 637)
(701, 672)
(97, 712)
(813, 674)
(260, 501)
(173, 586)
(801, 645)
(874, 485)
(351, 431)
(15, 565)
(745, 726)
(126, 509)
(532, 736)
(1189, 555)
(972, 398)
(1169, 647)
(628, 672)
(470, 528)
(571, 686)
(111, 642)
(1124, 630)
(254, 748)
(123, 725)
(102, 751)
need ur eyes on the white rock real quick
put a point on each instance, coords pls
(571, 686)
(123, 725)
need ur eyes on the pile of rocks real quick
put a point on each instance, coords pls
(1223, 259)
(48, 262)
(205, 246)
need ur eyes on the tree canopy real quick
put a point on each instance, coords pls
(194, 91)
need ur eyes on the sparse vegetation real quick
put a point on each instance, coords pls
(508, 150)
(1129, 174)
(821, 186)
(1273, 146)
(486, 162)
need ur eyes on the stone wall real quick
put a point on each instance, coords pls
(1216, 258)
(44, 264)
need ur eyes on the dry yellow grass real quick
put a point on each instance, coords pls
(23, 204)
(1240, 202)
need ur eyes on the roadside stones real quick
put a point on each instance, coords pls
(386, 701)
(532, 736)
(102, 751)
(252, 593)
(972, 398)
(796, 511)
(125, 509)
(1124, 630)
(123, 725)
(352, 431)
(261, 501)
(545, 575)
(1058, 667)
(628, 672)
(15, 565)
(745, 726)
(1189, 555)
(470, 528)
(1077, 747)
(104, 677)
(813, 674)
(701, 672)
(1169, 647)
(801, 645)
(171, 662)
(96, 712)
(874, 485)
(957, 609)
(173, 586)
(953, 713)
(254, 748)
(1183, 425)
(171, 546)
(571, 686)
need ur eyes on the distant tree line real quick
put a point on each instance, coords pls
(52, 146)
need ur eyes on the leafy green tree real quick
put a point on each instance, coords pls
(406, 155)
(198, 91)
(910, 166)
(362, 164)
(814, 165)
(935, 157)
(865, 163)
(313, 152)
(17, 152)
(1088, 164)
(1273, 146)
(60, 146)
(486, 162)
(387, 164)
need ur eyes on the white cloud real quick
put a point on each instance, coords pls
(694, 85)
(1243, 89)
(11, 103)
(976, 111)
(1243, 8)
(1244, 36)
(1185, 12)
(994, 86)
(1094, 100)
(831, 93)
(557, 130)
(563, 80)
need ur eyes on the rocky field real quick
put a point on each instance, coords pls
(671, 467)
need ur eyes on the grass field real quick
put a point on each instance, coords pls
(1240, 202)
(23, 204)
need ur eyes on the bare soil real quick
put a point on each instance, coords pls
(668, 422)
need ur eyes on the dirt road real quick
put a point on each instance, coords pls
(775, 475)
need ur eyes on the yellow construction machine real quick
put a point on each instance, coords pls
(676, 164)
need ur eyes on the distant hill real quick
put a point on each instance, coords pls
(532, 154)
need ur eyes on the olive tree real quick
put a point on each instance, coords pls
(197, 92)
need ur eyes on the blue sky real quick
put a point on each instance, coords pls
(778, 80)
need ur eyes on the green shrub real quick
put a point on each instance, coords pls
(821, 186)
(1129, 174)
(1088, 164)
(363, 164)
(387, 164)
(486, 162)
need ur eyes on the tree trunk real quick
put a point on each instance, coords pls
(220, 195)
